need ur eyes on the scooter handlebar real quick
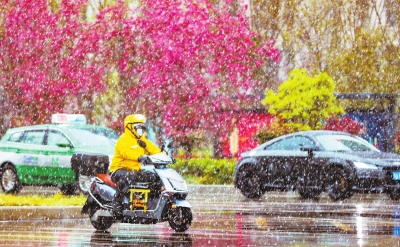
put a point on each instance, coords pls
(144, 159)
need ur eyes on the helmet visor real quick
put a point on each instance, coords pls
(139, 129)
(138, 126)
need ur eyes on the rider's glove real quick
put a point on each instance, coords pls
(144, 159)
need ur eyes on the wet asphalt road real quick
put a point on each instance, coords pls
(223, 217)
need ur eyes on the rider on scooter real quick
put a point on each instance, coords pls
(129, 153)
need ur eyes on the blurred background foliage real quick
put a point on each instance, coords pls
(206, 170)
(42, 200)
(356, 42)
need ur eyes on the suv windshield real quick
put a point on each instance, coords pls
(344, 143)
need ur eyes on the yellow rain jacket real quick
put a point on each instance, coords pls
(127, 152)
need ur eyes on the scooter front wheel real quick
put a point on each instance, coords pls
(180, 218)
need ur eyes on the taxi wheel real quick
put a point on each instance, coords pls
(84, 182)
(9, 180)
(67, 189)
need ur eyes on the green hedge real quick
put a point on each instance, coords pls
(206, 170)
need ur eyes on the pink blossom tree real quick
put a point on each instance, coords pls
(47, 58)
(188, 64)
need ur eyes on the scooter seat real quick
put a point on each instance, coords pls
(106, 178)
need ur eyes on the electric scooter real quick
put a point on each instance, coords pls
(161, 198)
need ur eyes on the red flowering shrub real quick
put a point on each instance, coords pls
(345, 124)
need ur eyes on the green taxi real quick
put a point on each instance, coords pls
(66, 153)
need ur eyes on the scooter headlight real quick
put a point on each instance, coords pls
(178, 185)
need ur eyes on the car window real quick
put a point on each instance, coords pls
(344, 143)
(15, 137)
(56, 137)
(291, 143)
(33, 137)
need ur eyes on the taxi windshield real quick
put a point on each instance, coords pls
(88, 138)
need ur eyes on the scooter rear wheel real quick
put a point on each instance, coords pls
(180, 218)
(103, 223)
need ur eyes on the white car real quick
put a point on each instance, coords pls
(67, 153)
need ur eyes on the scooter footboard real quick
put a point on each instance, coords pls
(160, 213)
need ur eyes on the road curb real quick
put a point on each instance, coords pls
(74, 212)
(211, 189)
(298, 208)
(40, 212)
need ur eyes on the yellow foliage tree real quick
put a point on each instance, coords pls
(303, 102)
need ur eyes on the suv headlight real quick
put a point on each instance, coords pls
(362, 165)
(178, 185)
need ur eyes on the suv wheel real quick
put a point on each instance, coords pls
(67, 189)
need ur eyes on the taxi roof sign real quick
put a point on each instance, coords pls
(68, 118)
